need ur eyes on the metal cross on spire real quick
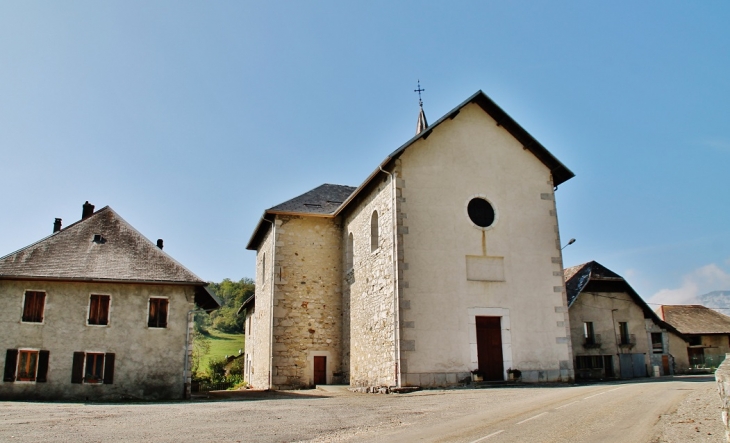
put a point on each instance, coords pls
(419, 90)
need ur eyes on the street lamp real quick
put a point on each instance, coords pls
(570, 242)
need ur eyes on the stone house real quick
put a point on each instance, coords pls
(444, 262)
(707, 332)
(96, 311)
(614, 332)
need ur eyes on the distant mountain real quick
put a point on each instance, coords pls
(717, 299)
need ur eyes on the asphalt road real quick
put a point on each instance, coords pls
(611, 412)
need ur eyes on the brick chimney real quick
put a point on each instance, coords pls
(159, 243)
(87, 211)
(57, 225)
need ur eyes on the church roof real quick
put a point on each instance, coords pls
(296, 205)
(324, 199)
(321, 201)
(101, 248)
(559, 171)
(695, 319)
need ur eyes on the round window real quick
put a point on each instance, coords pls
(480, 212)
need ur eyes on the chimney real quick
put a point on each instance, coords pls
(88, 210)
(57, 225)
(159, 243)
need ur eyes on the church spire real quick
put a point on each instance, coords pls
(422, 124)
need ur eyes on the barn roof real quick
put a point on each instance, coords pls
(695, 319)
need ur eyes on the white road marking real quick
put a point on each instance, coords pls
(490, 435)
(531, 418)
(601, 393)
(564, 406)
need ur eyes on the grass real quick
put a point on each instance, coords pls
(221, 344)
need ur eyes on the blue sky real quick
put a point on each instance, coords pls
(190, 118)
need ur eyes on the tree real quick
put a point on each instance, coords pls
(226, 318)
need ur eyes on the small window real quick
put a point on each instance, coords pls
(158, 313)
(695, 340)
(349, 253)
(623, 328)
(26, 365)
(99, 309)
(656, 343)
(374, 234)
(588, 329)
(33, 306)
(481, 212)
(93, 368)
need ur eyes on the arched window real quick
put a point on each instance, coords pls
(374, 237)
(348, 252)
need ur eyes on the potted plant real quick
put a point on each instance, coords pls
(476, 375)
(514, 374)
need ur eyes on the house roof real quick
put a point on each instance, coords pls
(321, 201)
(695, 319)
(559, 171)
(251, 301)
(101, 248)
(578, 277)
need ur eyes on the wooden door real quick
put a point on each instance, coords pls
(489, 347)
(665, 364)
(320, 370)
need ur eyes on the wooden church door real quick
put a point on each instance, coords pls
(320, 370)
(489, 347)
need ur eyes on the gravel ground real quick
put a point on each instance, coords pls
(439, 415)
(696, 419)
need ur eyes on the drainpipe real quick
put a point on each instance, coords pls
(271, 307)
(187, 348)
(396, 310)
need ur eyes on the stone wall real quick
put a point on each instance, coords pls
(369, 290)
(259, 342)
(308, 303)
(722, 376)
(149, 362)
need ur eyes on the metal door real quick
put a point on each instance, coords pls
(626, 364)
(639, 361)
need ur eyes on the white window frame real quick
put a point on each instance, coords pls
(22, 307)
(147, 313)
(17, 362)
(109, 315)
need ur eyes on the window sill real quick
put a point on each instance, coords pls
(31, 322)
(97, 326)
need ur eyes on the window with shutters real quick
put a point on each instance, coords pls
(34, 304)
(93, 368)
(26, 365)
(158, 313)
(99, 310)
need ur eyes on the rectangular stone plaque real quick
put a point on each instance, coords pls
(480, 268)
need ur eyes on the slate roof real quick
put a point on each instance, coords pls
(695, 319)
(324, 199)
(578, 277)
(120, 254)
(558, 170)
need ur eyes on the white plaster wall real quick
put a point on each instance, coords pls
(149, 362)
(467, 156)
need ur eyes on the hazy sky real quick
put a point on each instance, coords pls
(190, 118)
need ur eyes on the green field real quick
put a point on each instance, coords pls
(221, 344)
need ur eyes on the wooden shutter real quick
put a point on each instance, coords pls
(33, 308)
(104, 310)
(162, 313)
(42, 366)
(152, 320)
(77, 373)
(94, 309)
(109, 368)
(11, 361)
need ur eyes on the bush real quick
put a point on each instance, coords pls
(217, 369)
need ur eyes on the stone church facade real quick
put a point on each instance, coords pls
(444, 262)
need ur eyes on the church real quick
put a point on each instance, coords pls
(444, 265)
